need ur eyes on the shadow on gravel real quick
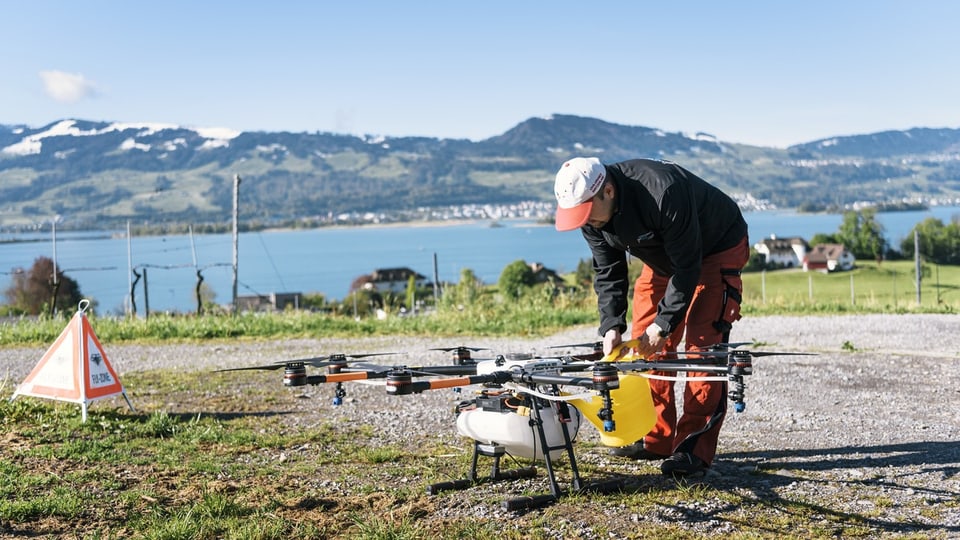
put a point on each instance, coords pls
(888, 468)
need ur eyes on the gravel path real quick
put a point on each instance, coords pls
(868, 427)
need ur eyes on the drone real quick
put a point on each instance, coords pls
(532, 407)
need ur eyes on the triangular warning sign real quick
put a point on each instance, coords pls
(75, 368)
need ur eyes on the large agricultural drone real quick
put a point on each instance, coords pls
(531, 406)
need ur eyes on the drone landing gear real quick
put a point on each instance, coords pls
(496, 452)
(496, 474)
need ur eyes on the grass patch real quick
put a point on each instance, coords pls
(213, 466)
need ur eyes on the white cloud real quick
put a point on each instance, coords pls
(67, 87)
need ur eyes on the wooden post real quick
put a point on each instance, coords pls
(236, 235)
(853, 296)
(436, 281)
(146, 296)
(131, 306)
(916, 260)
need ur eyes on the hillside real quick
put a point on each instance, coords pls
(101, 174)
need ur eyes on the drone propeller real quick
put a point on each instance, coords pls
(461, 354)
(592, 344)
(779, 353)
(623, 353)
(733, 345)
(317, 361)
(716, 356)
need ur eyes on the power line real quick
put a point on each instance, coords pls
(272, 264)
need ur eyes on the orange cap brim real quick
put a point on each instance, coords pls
(569, 219)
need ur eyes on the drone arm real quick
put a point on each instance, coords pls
(546, 378)
(446, 370)
(401, 382)
(341, 377)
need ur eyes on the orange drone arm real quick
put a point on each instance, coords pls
(402, 383)
(449, 383)
(336, 377)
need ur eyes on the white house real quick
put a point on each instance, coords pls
(829, 258)
(393, 280)
(786, 252)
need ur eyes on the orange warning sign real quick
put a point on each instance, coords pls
(75, 368)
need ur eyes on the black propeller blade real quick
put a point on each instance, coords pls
(317, 361)
(592, 344)
(458, 348)
(721, 354)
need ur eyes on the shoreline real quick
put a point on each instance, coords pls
(99, 234)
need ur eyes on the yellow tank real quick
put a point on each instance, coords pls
(633, 412)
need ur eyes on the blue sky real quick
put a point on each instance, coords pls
(769, 73)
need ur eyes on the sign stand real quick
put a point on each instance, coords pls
(74, 369)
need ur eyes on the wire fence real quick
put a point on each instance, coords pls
(885, 286)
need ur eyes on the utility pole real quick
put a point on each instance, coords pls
(56, 278)
(131, 309)
(146, 295)
(436, 281)
(236, 236)
(196, 267)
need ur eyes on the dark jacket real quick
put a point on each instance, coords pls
(670, 219)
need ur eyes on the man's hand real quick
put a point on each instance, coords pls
(610, 340)
(651, 342)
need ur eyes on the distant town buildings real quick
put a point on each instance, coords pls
(389, 280)
(795, 252)
(532, 210)
(783, 252)
(269, 302)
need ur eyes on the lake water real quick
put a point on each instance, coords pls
(328, 260)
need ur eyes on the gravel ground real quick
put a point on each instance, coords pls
(868, 427)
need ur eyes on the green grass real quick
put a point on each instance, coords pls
(888, 287)
(203, 458)
(209, 457)
(535, 314)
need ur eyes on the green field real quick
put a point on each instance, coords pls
(889, 287)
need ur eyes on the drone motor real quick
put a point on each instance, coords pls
(295, 375)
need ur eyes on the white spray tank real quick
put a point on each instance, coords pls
(496, 420)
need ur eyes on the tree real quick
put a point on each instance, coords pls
(862, 234)
(411, 296)
(514, 278)
(756, 262)
(468, 289)
(584, 275)
(32, 291)
(822, 238)
(939, 243)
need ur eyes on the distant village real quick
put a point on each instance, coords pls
(532, 210)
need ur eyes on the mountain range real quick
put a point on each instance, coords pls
(89, 174)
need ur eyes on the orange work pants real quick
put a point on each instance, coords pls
(704, 402)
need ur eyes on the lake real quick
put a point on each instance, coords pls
(327, 260)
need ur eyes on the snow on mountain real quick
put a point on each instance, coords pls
(33, 143)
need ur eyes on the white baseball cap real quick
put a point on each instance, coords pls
(578, 180)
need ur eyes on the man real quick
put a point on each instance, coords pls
(692, 240)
